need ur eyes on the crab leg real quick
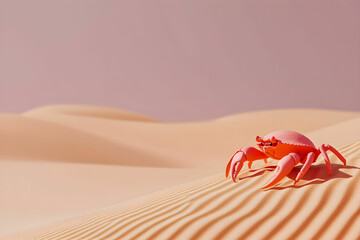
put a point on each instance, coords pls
(325, 147)
(237, 160)
(309, 160)
(284, 167)
(326, 158)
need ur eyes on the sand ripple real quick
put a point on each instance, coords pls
(319, 207)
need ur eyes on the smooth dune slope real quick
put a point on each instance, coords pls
(61, 166)
(36, 193)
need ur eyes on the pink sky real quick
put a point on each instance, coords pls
(180, 60)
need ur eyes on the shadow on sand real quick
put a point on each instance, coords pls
(317, 174)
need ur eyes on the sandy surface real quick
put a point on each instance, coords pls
(78, 172)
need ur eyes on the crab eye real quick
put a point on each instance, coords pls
(262, 144)
(271, 144)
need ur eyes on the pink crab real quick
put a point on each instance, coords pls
(287, 146)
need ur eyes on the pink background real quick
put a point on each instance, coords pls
(180, 60)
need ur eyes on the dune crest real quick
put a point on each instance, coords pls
(89, 111)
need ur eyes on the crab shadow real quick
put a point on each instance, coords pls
(317, 174)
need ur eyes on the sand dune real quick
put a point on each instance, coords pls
(26, 138)
(206, 141)
(141, 179)
(89, 111)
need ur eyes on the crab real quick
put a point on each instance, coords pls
(289, 147)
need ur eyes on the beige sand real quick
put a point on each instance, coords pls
(77, 172)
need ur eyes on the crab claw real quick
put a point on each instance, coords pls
(229, 164)
(235, 165)
(284, 167)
